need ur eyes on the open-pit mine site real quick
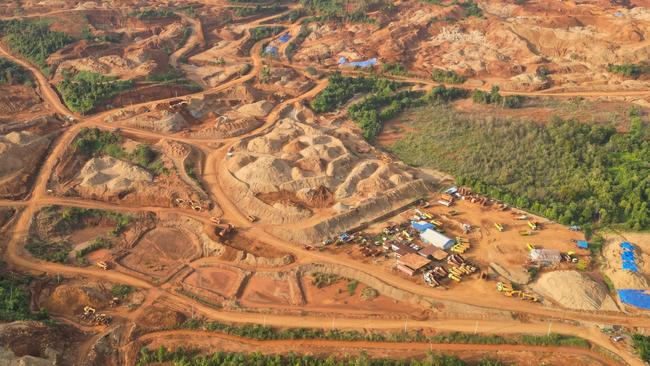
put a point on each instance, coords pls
(324, 182)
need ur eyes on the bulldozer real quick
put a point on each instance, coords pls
(251, 218)
(530, 246)
(528, 296)
(103, 265)
(526, 233)
(498, 226)
(504, 287)
(224, 230)
(532, 225)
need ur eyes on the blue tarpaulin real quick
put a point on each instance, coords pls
(422, 226)
(628, 256)
(271, 49)
(582, 244)
(627, 245)
(638, 298)
(630, 266)
(342, 60)
(367, 63)
(285, 37)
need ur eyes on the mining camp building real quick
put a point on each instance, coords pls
(411, 263)
(436, 239)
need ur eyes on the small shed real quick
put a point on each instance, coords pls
(546, 256)
(422, 225)
(436, 239)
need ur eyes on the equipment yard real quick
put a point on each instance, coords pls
(181, 180)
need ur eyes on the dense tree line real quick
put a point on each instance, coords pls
(183, 357)
(33, 40)
(260, 332)
(245, 11)
(83, 91)
(15, 298)
(570, 172)
(159, 13)
(12, 73)
(341, 89)
(642, 346)
(337, 10)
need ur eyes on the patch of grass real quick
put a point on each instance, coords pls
(121, 291)
(493, 97)
(629, 70)
(322, 280)
(369, 293)
(175, 77)
(85, 90)
(394, 69)
(352, 286)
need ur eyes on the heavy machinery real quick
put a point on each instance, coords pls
(455, 259)
(103, 265)
(532, 225)
(430, 279)
(224, 230)
(498, 226)
(436, 222)
(251, 218)
(522, 217)
(506, 289)
(215, 220)
(530, 246)
(460, 248)
(526, 232)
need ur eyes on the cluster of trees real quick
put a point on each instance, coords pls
(121, 291)
(83, 91)
(447, 76)
(98, 243)
(337, 10)
(305, 31)
(182, 357)
(394, 69)
(469, 7)
(571, 172)
(48, 250)
(629, 70)
(260, 33)
(33, 39)
(371, 113)
(341, 89)
(245, 11)
(12, 73)
(95, 142)
(158, 13)
(14, 299)
(493, 97)
(642, 346)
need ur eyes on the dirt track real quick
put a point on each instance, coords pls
(19, 258)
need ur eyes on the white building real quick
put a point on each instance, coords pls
(436, 239)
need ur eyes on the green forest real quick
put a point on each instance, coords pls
(12, 73)
(629, 70)
(14, 299)
(571, 172)
(33, 39)
(642, 346)
(182, 357)
(83, 91)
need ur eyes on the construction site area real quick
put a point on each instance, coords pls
(186, 180)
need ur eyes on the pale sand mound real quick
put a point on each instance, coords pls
(112, 174)
(266, 171)
(257, 109)
(574, 290)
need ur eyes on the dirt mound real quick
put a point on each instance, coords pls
(21, 154)
(574, 290)
(34, 343)
(257, 109)
(111, 175)
(70, 299)
(158, 317)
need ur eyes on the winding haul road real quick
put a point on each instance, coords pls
(18, 258)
